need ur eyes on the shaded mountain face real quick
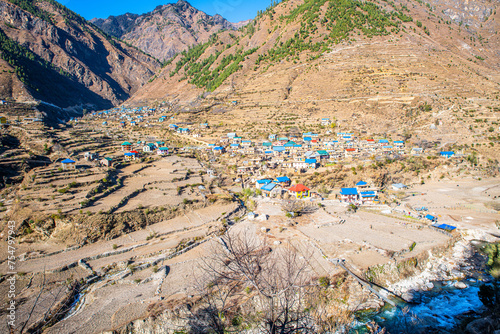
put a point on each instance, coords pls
(53, 55)
(167, 30)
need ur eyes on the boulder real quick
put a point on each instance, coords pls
(460, 285)
(480, 326)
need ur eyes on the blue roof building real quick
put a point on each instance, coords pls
(447, 154)
(279, 148)
(349, 192)
(368, 194)
(283, 180)
(268, 187)
(431, 218)
(446, 227)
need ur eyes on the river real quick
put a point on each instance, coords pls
(438, 311)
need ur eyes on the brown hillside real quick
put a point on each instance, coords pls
(373, 83)
(63, 60)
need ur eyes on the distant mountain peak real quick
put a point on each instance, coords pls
(166, 30)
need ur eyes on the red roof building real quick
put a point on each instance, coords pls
(300, 191)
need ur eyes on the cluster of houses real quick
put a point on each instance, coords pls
(281, 185)
(301, 152)
(68, 164)
(309, 151)
(131, 154)
(123, 115)
(363, 193)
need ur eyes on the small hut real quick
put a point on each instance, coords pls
(68, 164)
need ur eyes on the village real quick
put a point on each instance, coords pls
(255, 161)
(136, 196)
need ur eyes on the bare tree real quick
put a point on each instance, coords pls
(244, 280)
(298, 207)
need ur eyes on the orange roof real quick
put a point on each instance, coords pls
(299, 188)
(350, 149)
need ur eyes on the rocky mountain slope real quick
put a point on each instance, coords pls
(373, 65)
(167, 30)
(53, 55)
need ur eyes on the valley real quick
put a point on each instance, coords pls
(328, 165)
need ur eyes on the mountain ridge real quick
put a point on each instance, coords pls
(52, 54)
(300, 32)
(166, 30)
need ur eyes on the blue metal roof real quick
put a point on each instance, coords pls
(368, 194)
(310, 161)
(431, 217)
(447, 153)
(307, 138)
(269, 187)
(278, 148)
(283, 179)
(361, 183)
(348, 191)
(68, 161)
(263, 181)
(383, 141)
(445, 227)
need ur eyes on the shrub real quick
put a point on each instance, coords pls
(412, 246)
(324, 281)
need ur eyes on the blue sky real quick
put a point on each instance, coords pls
(232, 10)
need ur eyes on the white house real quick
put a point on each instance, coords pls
(162, 151)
